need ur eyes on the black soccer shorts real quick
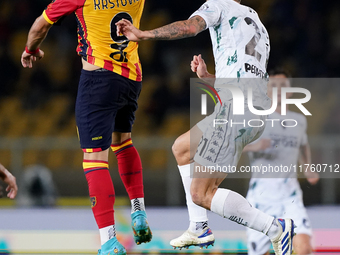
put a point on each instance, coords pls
(106, 103)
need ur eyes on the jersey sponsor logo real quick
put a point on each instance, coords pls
(255, 70)
(110, 4)
(97, 138)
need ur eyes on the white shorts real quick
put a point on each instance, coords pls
(225, 135)
(258, 243)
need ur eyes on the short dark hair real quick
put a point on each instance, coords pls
(278, 71)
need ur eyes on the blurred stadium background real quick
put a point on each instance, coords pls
(38, 140)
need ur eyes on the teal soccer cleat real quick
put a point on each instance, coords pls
(140, 227)
(112, 247)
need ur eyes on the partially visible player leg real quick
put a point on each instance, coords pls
(257, 243)
(198, 233)
(222, 145)
(302, 244)
(233, 206)
(102, 197)
(95, 113)
(302, 240)
(130, 171)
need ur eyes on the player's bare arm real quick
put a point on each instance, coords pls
(36, 36)
(177, 30)
(305, 159)
(8, 178)
(260, 145)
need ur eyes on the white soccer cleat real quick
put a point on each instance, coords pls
(283, 244)
(204, 239)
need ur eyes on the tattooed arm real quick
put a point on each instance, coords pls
(179, 29)
(173, 31)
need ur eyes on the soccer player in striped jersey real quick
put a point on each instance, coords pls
(10, 180)
(241, 50)
(109, 86)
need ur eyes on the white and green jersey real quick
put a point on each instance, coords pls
(279, 181)
(239, 39)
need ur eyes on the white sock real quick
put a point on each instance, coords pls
(235, 207)
(273, 231)
(137, 204)
(196, 213)
(197, 227)
(107, 233)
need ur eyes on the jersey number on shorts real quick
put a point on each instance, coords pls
(121, 42)
(250, 47)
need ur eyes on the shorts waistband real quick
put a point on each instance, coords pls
(100, 70)
(97, 72)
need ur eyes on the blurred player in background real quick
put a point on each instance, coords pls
(241, 50)
(280, 195)
(109, 86)
(9, 179)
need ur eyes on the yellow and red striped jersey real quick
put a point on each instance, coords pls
(98, 42)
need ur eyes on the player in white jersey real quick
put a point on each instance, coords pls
(279, 194)
(241, 50)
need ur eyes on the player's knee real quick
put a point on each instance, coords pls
(179, 149)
